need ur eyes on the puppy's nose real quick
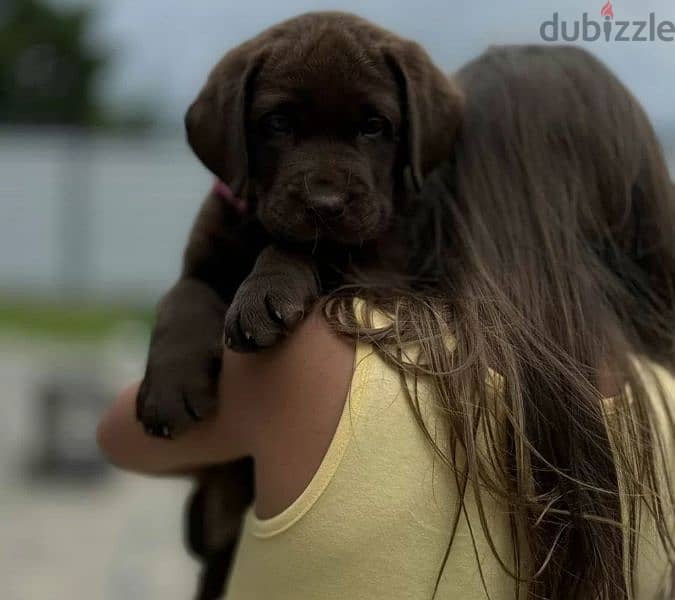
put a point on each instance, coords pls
(324, 198)
(327, 202)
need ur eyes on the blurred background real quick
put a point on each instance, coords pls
(97, 192)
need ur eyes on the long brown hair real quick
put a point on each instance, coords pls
(551, 259)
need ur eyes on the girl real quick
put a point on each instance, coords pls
(502, 430)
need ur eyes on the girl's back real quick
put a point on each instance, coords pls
(377, 516)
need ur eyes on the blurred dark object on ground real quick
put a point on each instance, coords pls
(67, 410)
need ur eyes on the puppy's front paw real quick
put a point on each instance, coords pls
(176, 394)
(266, 307)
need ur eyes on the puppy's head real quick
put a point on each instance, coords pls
(324, 122)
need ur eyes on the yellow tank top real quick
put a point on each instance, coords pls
(375, 521)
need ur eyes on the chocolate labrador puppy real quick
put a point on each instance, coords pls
(326, 126)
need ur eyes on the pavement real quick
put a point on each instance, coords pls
(112, 537)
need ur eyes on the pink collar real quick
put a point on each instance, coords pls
(223, 192)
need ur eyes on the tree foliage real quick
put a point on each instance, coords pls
(47, 71)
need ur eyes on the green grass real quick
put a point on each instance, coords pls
(66, 320)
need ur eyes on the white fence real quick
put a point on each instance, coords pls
(100, 216)
(94, 215)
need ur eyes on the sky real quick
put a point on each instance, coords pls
(164, 48)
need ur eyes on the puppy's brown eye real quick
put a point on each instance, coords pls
(277, 124)
(373, 126)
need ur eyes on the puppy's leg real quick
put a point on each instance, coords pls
(180, 382)
(271, 300)
(181, 378)
(213, 522)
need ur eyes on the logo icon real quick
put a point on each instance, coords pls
(607, 10)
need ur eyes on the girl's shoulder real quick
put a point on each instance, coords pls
(300, 389)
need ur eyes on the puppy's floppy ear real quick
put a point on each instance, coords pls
(432, 107)
(216, 121)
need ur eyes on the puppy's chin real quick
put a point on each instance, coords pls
(296, 223)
